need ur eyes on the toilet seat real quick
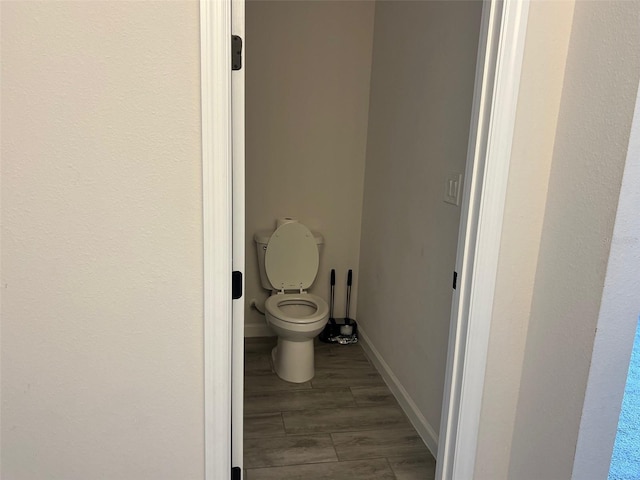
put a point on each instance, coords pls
(292, 259)
(276, 305)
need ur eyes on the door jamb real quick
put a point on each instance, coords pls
(215, 65)
(495, 100)
(499, 64)
(238, 220)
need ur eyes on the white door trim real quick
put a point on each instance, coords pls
(495, 99)
(215, 64)
(238, 199)
(498, 70)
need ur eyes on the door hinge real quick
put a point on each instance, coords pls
(236, 473)
(236, 52)
(236, 285)
(455, 280)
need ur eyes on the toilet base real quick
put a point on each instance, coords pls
(294, 361)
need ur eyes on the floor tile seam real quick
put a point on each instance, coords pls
(339, 431)
(395, 475)
(268, 391)
(297, 464)
(364, 382)
(354, 407)
(349, 403)
(324, 386)
(378, 455)
(321, 434)
(277, 435)
(371, 386)
(260, 414)
(364, 405)
(282, 423)
(341, 361)
(303, 434)
(322, 463)
(303, 390)
(342, 369)
(409, 456)
(409, 428)
(292, 411)
(283, 412)
(342, 407)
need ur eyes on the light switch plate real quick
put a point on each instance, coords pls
(453, 188)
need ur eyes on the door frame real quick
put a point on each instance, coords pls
(498, 68)
(238, 235)
(217, 204)
(493, 118)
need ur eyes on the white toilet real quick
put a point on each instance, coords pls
(288, 260)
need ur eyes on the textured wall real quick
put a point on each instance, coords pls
(616, 328)
(419, 118)
(596, 110)
(101, 241)
(307, 96)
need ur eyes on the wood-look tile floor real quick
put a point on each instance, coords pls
(342, 425)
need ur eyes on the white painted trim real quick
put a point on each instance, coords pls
(215, 62)
(420, 423)
(494, 111)
(238, 195)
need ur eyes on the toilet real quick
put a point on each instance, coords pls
(288, 260)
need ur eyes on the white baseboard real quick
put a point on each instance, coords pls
(258, 330)
(424, 429)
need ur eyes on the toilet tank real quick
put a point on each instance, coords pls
(261, 238)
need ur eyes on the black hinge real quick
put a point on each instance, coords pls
(236, 285)
(236, 52)
(455, 280)
(236, 473)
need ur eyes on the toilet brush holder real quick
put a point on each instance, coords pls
(343, 331)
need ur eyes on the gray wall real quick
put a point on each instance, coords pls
(419, 115)
(307, 94)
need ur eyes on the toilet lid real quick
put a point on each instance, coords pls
(291, 260)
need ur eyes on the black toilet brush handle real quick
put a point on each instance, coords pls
(349, 279)
(333, 286)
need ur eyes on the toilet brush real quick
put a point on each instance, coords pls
(349, 324)
(330, 329)
(347, 320)
(333, 287)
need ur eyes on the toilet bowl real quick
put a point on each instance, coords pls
(296, 319)
(291, 262)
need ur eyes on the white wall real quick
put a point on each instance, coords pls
(548, 366)
(307, 95)
(101, 241)
(424, 57)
